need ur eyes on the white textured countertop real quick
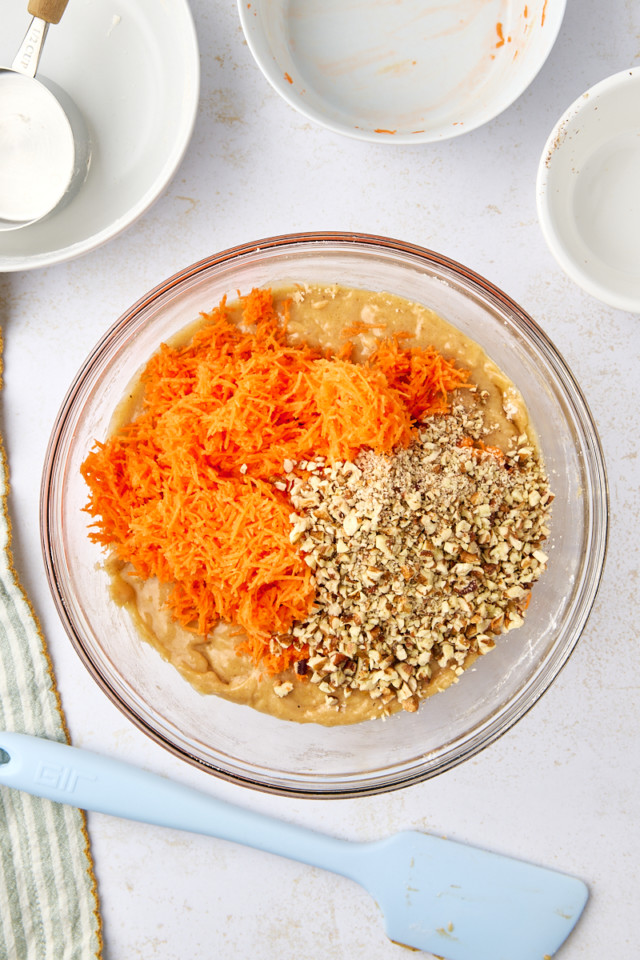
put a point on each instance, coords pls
(562, 788)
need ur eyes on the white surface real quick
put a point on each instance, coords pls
(589, 190)
(415, 71)
(130, 70)
(561, 788)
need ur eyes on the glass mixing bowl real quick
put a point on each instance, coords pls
(260, 751)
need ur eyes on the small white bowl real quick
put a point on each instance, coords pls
(132, 70)
(588, 191)
(409, 72)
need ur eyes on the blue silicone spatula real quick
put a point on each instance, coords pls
(453, 900)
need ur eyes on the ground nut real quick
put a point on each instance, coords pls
(410, 584)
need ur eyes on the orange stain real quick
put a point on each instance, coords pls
(382, 130)
(500, 42)
(544, 13)
(288, 78)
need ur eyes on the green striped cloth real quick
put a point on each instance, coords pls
(48, 899)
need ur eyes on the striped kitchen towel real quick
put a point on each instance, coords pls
(48, 898)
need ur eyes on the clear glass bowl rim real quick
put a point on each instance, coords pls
(496, 724)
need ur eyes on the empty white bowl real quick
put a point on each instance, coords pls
(408, 72)
(588, 191)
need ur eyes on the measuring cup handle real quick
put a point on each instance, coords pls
(43, 13)
(48, 10)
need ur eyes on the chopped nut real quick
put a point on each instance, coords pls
(411, 704)
(421, 557)
(350, 523)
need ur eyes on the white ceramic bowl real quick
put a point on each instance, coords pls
(588, 191)
(408, 72)
(234, 741)
(132, 70)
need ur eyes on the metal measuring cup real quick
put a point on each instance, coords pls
(43, 144)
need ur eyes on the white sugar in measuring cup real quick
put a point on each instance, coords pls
(43, 144)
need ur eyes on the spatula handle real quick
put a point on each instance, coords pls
(88, 780)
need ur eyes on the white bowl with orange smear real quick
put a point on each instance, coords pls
(410, 72)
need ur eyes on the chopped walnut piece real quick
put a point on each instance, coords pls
(421, 558)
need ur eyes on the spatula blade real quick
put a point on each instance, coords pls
(463, 903)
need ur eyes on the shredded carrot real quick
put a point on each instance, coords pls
(362, 326)
(185, 492)
(494, 450)
(478, 447)
(422, 377)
